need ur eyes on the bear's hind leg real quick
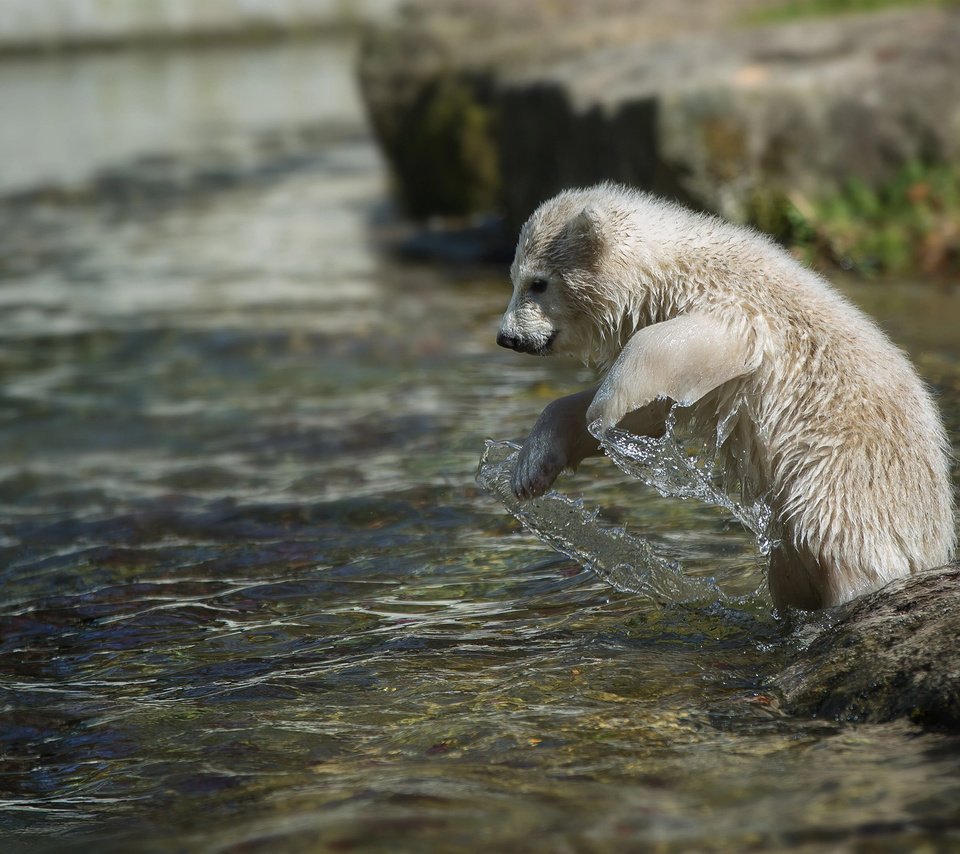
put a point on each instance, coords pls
(792, 579)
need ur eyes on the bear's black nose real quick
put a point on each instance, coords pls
(507, 341)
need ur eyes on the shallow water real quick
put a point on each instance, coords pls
(253, 600)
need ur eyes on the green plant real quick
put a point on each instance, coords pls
(790, 10)
(911, 224)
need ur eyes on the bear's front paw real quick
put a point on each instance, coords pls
(536, 470)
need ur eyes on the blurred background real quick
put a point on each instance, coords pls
(252, 260)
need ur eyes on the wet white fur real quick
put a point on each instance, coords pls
(822, 413)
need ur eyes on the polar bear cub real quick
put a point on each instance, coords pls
(822, 414)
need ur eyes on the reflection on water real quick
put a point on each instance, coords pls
(77, 114)
(253, 600)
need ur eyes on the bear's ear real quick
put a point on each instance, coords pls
(587, 233)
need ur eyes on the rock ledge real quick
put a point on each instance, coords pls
(502, 106)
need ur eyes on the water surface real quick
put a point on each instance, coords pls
(253, 600)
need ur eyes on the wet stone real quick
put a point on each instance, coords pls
(890, 654)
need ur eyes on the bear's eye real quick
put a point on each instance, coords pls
(538, 286)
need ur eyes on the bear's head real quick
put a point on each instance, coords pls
(568, 280)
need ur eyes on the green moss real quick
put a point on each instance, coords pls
(771, 213)
(909, 225)
(447, 153)
(791, 10)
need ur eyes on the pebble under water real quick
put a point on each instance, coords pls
(254, 601)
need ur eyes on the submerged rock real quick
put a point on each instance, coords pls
(890, 654)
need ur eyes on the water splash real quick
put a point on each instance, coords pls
(680, 467)
(625, 561)
(673, 465)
